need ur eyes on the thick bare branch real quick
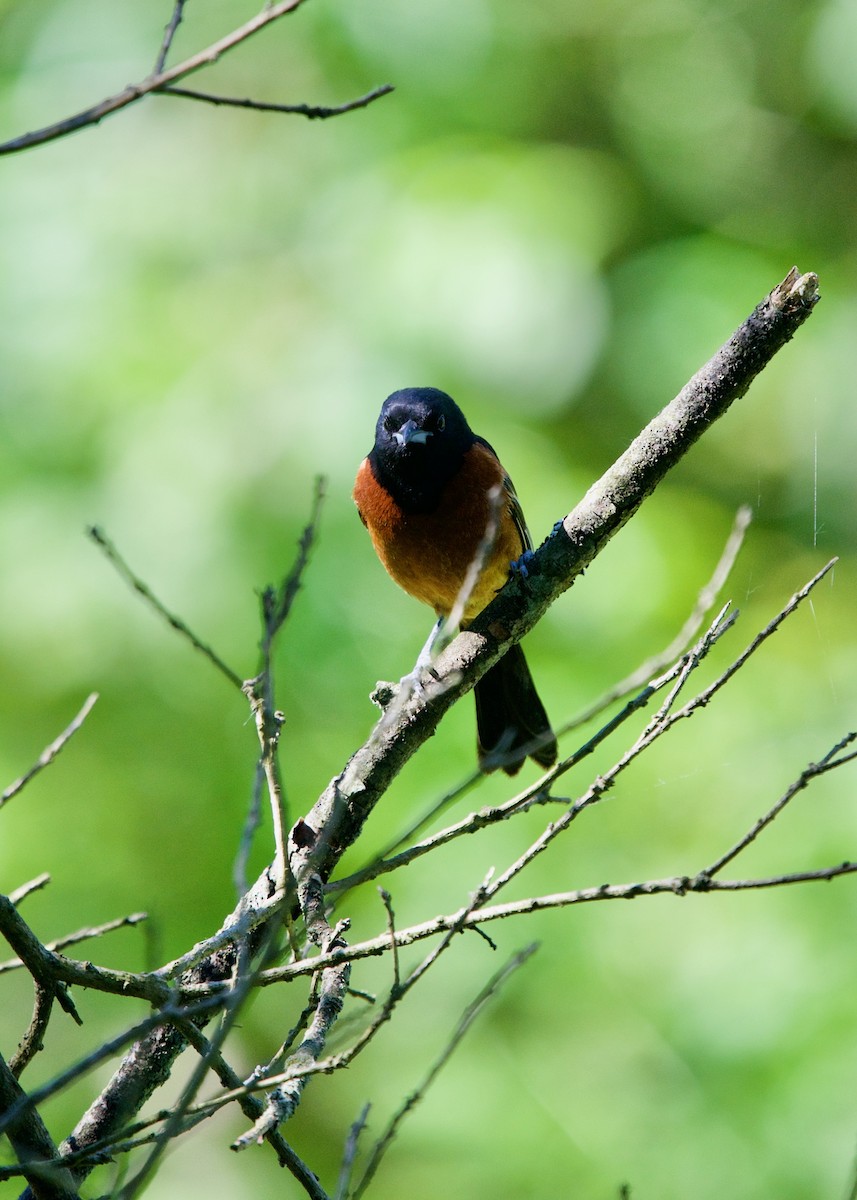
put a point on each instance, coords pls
(340, 812)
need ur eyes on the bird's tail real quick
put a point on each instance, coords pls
(511, 721)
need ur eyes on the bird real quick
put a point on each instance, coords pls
(424, 492)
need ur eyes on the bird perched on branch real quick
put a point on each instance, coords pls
(431, 493)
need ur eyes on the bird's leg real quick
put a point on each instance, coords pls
(521, 566)
(384, 693)
(427, 654)
(435, 642)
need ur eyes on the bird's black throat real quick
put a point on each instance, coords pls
(416, 475)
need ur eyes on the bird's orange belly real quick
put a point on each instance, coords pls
(429, 554)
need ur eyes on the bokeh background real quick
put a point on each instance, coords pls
(562, 211)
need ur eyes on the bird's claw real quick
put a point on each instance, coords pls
(521, 566)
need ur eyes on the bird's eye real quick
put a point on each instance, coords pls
(390, 423)
(441, 423)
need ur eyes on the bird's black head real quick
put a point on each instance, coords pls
(420, 439)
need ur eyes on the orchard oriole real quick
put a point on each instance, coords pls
(423, 494)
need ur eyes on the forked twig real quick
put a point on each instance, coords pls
(655, 730)
(163, 78)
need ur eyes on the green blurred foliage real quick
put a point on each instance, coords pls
(562, 211)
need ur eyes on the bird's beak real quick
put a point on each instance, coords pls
(412, 432)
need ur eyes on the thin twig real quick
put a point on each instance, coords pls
(169, 34)
(251, 824)
(313, 111)
(50, 752)
(762, 636)
(439, 806)
(724, 620)
(387, 901)
(657, 729)
(26, 889)
(400, 987)
(277, 603)
(349, 1154)
(32, 1041)
(496, 497)
(114, 557)
(473, 905)
(82, 935)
